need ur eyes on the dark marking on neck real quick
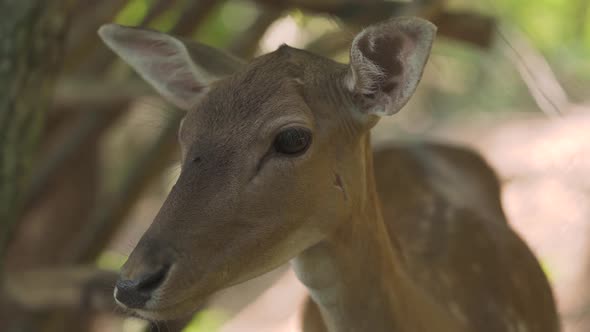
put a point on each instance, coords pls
(338, 184)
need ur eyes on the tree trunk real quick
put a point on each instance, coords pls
(31, 35)
(31, 43)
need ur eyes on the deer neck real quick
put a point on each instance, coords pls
(357, 275)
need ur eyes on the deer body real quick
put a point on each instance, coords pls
(451, 234)
(277, 166)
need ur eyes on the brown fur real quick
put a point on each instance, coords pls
(438, 256)
(465, 255)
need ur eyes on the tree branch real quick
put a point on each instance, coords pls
(141, 171)
(72, 288)
(33, 34)
(536, 73)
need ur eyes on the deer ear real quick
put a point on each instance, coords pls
(386, 63)
(179, 70)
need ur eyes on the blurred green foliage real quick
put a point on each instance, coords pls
(227, 22)
(560, 29)
(133, 13)
(111, 260)
(551, 24)
(475, 80)
(206, 321)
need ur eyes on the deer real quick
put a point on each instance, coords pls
(277, 167)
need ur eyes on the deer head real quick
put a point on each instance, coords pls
(273, 154)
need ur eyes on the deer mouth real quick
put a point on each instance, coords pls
(155, 297)
(153, 312)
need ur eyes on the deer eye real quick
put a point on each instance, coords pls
(292, 141)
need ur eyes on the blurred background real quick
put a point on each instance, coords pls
(89, 151)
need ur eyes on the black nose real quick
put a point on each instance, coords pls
(134, 293)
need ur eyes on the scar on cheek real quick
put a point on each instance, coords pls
(339, 185)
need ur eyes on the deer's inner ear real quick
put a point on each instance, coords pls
(386, 63)
(168, 63)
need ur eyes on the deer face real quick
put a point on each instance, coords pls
(272, 155)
